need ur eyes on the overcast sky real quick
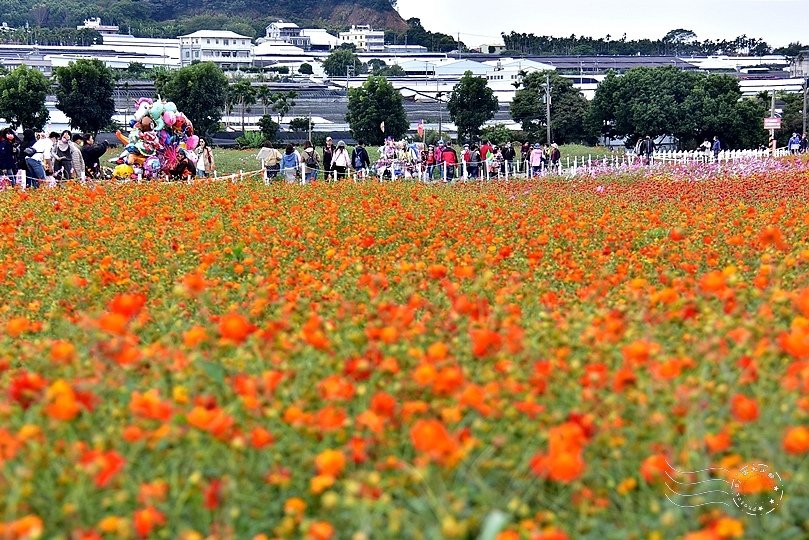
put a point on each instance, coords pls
(481, 21)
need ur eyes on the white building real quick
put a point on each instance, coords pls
(95, 24)
(320, 39)
(227, 49)
(288, 32)
(365, 38)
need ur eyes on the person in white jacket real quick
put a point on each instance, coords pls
(341, 160)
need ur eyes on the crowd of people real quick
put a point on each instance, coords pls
(37, 158)
(408, 159)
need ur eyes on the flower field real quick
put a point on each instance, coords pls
(522, 360)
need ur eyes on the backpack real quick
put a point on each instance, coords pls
(358, 161)
(311, 160)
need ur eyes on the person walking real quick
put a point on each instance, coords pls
(794, 144)
(804, 145)
(8, 159)
(360, 159)
(647, 150)
(205, 163)
(271, 159)
(341, 160)
(555, 157)
(328, 155)
(449, 159)
(536, 158)
(474, 162)
(290, 164)
(716, 148)
(312, 162)
(508, 159)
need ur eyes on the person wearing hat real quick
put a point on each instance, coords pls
(429, 161)
(328, 155)
(341, 160)
(312, 162)
(556, 156)
(794, 144)
(535, 158)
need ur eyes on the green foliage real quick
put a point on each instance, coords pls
(282, 103)
(22, 98)
(791, 117)
(242, 93)
(336, 64)
(84, 92)
(569, 109)
(375, 102)
(268, 127)
(137, 71)
(675, 42)
(200, 91)
(415, 34)
(667, 101)
(305, 69)
(471, 104)
(251, 139)
(49, 36)
(299, 124)
(497, 134)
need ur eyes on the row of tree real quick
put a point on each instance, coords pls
(676, 42)
(645, 101)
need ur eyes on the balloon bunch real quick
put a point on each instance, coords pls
(158, 132)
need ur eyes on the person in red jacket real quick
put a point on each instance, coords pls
(449, 159)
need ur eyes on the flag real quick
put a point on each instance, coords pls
(420, 129)
(382, 127)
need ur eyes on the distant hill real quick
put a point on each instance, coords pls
(169, 18)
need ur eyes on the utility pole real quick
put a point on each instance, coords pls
(440, 112)
(310, 126)
(805, 91)
(548, 104)
(772, 114)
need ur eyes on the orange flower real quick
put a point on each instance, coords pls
(484, 342)
(17, 326)
(148, 405)
(654, 468)
(565, 466)
(717, 443)
(796, 440)
(214, 421)
(437, 351)
(432, 438)
(712, 282)
(194, 336)
(330, 462)
(114, 323)
(147, 519)
(62, 402)
(62, 352)
(104, 465)
(234, 327)
(127, 305)
(260, 438)
(320, 530)
(437, 271)
(744, 409)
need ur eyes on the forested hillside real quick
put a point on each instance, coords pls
(168, 18)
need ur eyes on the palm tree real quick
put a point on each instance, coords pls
(243, 93)
(265, 96)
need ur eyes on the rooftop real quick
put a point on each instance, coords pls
(216, 34)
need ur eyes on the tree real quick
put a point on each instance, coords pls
(569, 109)
(374, 103)
(471, 104)
(497, 134)
(689, 106)
(305, 69)
(243, 93)
(22, 98)
(336, 64)
(299, 124)
(282, 103)
(200, 91)
(265, 96)
(84, 91)
(268, 127)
